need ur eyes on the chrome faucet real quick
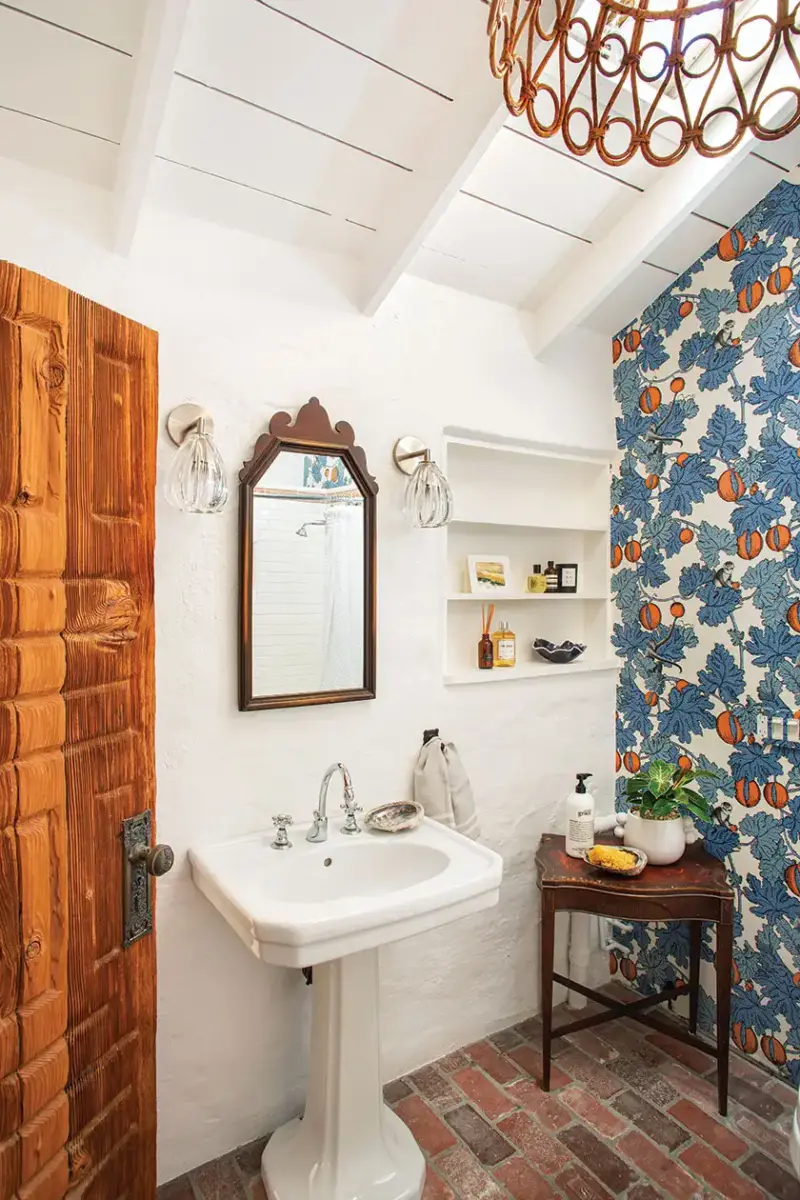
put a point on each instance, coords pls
(319, 830)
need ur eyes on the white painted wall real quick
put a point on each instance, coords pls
(248, 327)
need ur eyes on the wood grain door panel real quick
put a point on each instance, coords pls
(34, 327)
(78, 405)
(110, 757)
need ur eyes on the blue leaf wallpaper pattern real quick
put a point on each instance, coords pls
(705, 550)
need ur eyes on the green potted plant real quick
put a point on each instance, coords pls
(659, 798)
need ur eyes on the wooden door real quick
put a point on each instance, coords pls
(78, 402)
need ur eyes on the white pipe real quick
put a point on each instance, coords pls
(579, 956)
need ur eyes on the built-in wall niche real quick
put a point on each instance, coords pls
(529, 504)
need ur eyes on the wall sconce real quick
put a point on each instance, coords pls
(196, 481)
(429, 499)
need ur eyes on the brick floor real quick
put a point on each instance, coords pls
(630, 1117)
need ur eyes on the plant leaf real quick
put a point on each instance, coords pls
(660, 776)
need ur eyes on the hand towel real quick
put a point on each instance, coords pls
(442, 787)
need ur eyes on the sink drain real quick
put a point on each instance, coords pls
(328, 862)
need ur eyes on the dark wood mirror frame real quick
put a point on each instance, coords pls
(309, 432)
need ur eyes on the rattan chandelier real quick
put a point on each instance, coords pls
(627, 77)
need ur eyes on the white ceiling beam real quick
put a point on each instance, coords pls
(454, 147)
(601, 268)
(652, 217)
(154, 67)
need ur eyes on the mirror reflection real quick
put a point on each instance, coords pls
(307, 576)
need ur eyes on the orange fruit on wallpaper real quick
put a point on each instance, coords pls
(612, 963)
(650, 616)
(633, 551)
(736, 974)
(682, 459)
(748, 545)
(774, 1050)
(793, 616)
(651, 698)
(650, 399)
(677, 609)
(684, 762)
(616, 349)
(685, 308)
(729, 728)
(776, 795)
(680, 684)
(730, 486)
(792, 877)
(745, 1038)
(731, 245)
(677, 385)
(686, 536)
(628, 969)
(778, 537)
(794, 353)
(632, 340)
(617, 761)
(779, 280)
(631, 762)
(747, 792)
(616, 555)
(796, 979)
(651, 482)
(750, 297)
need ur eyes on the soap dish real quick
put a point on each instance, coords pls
(626, 872)
(564, 652)
(394, 818)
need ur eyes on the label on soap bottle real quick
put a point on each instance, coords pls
(505, 649)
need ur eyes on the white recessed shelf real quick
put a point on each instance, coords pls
(529, 670)
(532, 597)
(531, 504)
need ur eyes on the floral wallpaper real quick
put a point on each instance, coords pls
(706, 580)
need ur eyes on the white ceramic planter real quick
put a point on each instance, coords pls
(662, 841)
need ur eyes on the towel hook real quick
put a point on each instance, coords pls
(429, 735)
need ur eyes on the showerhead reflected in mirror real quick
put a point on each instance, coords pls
(308, 566)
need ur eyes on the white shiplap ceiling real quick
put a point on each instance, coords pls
(332, 125)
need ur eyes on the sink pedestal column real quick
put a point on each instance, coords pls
(349, 1145)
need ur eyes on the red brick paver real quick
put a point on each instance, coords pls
(711, 1131)
(721, 1176)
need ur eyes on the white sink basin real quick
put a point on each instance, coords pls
(318, 902)
(330, 905)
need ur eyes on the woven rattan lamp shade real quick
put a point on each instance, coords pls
(628, 77)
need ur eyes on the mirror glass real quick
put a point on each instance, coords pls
(308, 584)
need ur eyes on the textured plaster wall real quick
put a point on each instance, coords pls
(247, 328)
(705, 531)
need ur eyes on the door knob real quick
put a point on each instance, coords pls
(157, 859)
(140, 863)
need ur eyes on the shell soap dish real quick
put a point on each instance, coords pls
(636, 867)
(394, 818)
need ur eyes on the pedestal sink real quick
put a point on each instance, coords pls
(330, 906)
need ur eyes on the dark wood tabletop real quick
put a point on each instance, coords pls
(697, 872)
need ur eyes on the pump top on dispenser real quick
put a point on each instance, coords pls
(579, 814)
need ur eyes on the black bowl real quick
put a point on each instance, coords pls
(564, 652)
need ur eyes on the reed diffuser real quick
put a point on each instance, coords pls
(485, 645)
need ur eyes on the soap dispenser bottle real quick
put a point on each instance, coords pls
(580, 818)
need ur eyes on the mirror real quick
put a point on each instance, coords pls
(307, 566)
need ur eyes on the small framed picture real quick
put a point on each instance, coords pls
(567, 577)
(488, 573)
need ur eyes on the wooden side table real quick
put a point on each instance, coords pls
(696, 889)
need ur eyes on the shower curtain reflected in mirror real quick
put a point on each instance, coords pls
(343, 597)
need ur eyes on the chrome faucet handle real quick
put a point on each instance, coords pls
(280, 822)
(350, 808)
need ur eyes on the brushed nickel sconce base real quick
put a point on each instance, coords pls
(407, 453)
(181, 419)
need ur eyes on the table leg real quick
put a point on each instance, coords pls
(724, 966)
(548, 945)
(695, 940)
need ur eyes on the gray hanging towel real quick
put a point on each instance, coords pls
(442, 787)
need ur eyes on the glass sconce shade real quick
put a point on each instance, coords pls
(196, 482)
(429, 498)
